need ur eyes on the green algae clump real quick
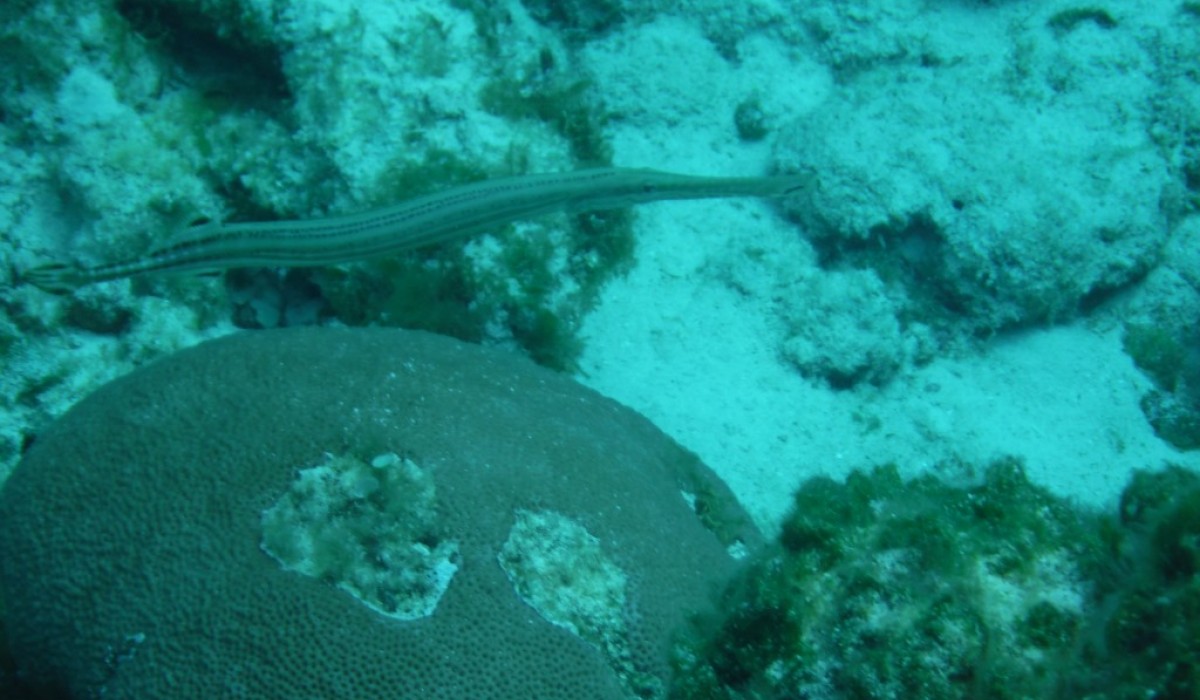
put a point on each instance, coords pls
(880, 587)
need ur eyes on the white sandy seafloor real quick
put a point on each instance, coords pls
(698, 352)
(1047, 160)
(702, 367)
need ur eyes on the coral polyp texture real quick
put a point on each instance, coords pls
(356, 514)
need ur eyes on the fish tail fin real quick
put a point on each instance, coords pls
(56, 278)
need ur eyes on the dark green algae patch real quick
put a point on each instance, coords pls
(992, 588)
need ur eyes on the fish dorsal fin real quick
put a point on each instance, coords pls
(198, 229)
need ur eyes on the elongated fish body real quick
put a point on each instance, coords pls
(421, 221)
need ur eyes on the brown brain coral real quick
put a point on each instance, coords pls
(319, 513)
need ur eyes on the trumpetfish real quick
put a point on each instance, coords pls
(425, 220)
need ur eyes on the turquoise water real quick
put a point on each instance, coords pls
(993, 262)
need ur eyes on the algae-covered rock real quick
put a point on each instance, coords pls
(879, 586)
(884, 588)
